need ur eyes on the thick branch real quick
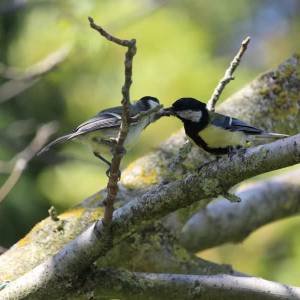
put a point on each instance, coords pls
(260, 103)
(155, 286)
(214, 179)
(262, 203)
(228, 76)
(270, 102)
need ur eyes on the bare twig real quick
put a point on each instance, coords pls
(159, 112)
(228, 76)
(23, 158)
(118, 152)
(22, 81)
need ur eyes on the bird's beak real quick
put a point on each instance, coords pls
(168, 111)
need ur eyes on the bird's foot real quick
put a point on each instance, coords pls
(207, 163)
(235, 150)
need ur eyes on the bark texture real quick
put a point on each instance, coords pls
(270, 102)
(262, 202)
(147, 286)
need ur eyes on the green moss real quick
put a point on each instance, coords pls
(288, 71)
(182, 254)
(264, 91)
(142, 173)
(276, 89)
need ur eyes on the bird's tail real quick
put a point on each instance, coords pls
(59, 140)
(271, 135)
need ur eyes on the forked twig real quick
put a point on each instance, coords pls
(118, 151)
(228, 76)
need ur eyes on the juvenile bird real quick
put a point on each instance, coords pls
(100, 131)
(215, 133)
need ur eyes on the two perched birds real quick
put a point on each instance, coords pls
(215, 133)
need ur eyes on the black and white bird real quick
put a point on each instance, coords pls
(216, 133)
(101, 130)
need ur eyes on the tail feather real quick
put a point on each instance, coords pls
(271, 135)
(59, 140)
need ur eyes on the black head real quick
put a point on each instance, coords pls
(147, 102)
(188, 109)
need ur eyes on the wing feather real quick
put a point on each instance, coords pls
(104, 120)
(234, 124)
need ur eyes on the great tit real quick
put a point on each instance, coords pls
(100, 131)
(215, 133)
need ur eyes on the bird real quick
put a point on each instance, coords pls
(101, 131)
(216, 133)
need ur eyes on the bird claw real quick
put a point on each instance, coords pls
(235, 150)
(207, 163)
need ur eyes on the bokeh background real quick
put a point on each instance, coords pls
(184, 47)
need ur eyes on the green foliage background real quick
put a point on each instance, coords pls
(183, 49)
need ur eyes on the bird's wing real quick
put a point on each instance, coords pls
(101, 121)
(233, 124)
(109, 118)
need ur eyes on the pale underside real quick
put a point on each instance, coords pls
(217, 137)
(98, 140)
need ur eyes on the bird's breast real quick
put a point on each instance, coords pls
(218, 137)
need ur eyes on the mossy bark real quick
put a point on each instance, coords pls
(271, 102)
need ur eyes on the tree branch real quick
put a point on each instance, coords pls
(118, 151)
(228, 76)
(22, 81)
(262, 202)
(22, 159)
(154, 286)
(215, 178)
(258, 103)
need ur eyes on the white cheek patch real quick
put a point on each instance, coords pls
(152, 104)
(191, 115)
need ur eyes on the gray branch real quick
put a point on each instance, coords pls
(135, 286)
(22, 81)
(262, 202)
(214, 179)
(260, 103)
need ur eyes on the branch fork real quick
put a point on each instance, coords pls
(118, 150)
(228, 76)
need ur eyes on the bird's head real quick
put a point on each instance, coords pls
(147, 103)
(188, 109)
